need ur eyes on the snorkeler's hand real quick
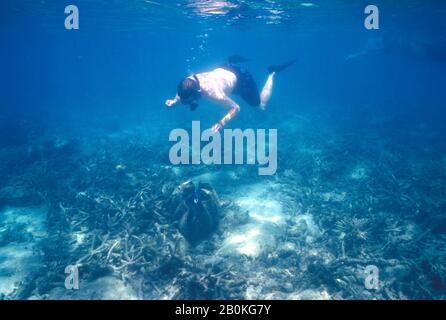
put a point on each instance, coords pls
(216, 127)
(171, 102)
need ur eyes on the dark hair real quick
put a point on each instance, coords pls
(189, 91)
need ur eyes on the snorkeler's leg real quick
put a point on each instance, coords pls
(267, 91)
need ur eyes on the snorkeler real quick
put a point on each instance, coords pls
(218, 84)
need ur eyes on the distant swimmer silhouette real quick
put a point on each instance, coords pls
(402, 46)
(216, 85)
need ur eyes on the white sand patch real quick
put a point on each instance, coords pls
(249, 240)
(310, 295)
(110, 288)
(359, 172)
(255, 292)
(265, 223)
(334, 196)
(105, 288)
(32, 218)
(262, 210)
(17, 259)
(216, 177)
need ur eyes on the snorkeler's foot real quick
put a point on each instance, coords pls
(170, 103)
(281, 67)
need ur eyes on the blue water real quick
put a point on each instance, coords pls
(86, 178)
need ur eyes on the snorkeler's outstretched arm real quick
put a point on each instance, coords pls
(233, 107)
(172, 102)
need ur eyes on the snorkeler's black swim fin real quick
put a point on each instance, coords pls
(237, 59)
(281, 67)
